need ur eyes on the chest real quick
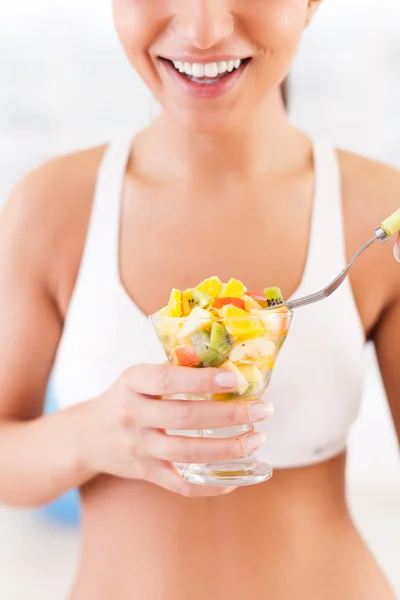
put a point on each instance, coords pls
(177, 237)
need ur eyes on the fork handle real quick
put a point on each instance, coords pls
(391, 225)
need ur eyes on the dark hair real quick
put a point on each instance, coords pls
(285, 92)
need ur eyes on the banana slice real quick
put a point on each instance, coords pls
(252, 349)
(243, 384)
(198, 319)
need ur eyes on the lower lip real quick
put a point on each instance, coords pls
(205, 91)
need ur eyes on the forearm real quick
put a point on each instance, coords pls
(43, 458)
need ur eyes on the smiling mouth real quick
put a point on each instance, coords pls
(207, 73)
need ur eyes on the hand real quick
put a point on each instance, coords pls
(125, 434)
(396, 249)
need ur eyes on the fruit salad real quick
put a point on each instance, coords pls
(225, 326)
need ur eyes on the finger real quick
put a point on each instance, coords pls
(167, 476)
(160, 380)
(396, 248)
(182, 449)
(182, 415)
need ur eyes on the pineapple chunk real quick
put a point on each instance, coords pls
(239, 326)
(175, 304)
(212, 286)
(167, 328)
(275, 327)
(265, 363)
(233, 289)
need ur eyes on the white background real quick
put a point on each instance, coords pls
(65, 84)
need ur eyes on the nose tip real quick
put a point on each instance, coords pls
(204, 23)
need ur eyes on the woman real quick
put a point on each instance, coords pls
(220, 183)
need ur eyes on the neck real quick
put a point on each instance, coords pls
(264, 142)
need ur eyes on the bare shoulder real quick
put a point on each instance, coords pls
(43, 225)
(48, 196)
(371, 192)
(371, 189)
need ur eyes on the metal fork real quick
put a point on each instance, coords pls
(382, 233)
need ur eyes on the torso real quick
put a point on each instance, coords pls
(291, 537)
(279, 540)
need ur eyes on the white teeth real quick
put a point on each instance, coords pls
(198, 70)
(179, 66)
(209, 70)
(223, 67)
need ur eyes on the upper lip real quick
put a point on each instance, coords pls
(203, 60)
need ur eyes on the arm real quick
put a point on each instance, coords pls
(39, 456)
(122, 432)
(387, 343)
(39, 460)
(371, 192)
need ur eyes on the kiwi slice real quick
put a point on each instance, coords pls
(209, 356)
(221, 340)
(274, 296)
(194, 298)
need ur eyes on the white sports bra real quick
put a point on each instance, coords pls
(316, 386)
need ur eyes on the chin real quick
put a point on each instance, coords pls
(206, 124)
(207, 120)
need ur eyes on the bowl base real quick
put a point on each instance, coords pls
(228, 474)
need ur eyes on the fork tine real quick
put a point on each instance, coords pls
(311, 299)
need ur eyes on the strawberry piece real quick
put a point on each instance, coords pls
(187, 356)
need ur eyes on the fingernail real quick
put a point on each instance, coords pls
(254, 441)
(226, 380)
(261, 410)
(396, 251)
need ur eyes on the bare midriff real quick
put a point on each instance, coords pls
(281, 540)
